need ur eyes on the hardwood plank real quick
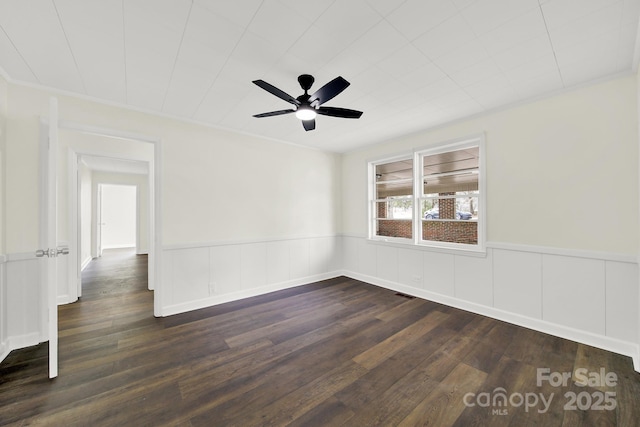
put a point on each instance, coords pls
(298, 402)
(401, 309)
(384, 375)
(330, 412)
(445, 404)
(627, 389)
(376, 354)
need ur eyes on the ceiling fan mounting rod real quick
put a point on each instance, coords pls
(306, 81)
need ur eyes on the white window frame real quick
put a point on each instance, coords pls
(371, 200)
(418, 155)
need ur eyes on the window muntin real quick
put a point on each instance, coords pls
(445, 191)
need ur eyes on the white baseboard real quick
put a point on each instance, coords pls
(23, 341)
(18, 342)
(122, 246)
(235, 296)
(4, 351)
(600, 341)
(66, 299)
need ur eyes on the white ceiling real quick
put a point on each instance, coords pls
(412, 64)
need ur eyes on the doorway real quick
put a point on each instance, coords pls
(113, 199)
(112, 155)
(117, 217)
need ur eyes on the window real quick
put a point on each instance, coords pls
(445, 208)
(392, 202)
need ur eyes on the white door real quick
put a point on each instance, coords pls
(49, 238)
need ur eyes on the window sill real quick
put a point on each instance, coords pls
(478, 251)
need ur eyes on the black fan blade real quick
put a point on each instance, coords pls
(309, 124)
(339, 112)
(277, 92)
(328, 91)
(274, 113)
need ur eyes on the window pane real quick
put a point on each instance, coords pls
(394, 217)
(450, 231)
(466, 207)
(401, 228)
(449, 202)
(393, 199)
(394, 179)
(393, 208)
(451, 171)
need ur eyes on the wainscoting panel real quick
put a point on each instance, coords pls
(587, 297)
(387, 263)
(278, 262)
(191, 274)
(253, 265)
(350, 253)
(573, 292)
(622, 300)
(474, 279)
(439, 273)
(225, 267)
(24, 322)
(410, 267)
(367, 258)
(517, 281)
(321, 256)
(205, 275)
(299, 257)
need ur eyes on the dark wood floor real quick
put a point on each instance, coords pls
(337, 352)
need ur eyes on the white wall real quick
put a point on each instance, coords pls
(118, 216)
(217, 185)
(222, 186)
(561, 172)
(562, 219)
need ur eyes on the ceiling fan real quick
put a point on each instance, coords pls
(306, 106)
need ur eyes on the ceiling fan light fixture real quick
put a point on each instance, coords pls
(305, 113)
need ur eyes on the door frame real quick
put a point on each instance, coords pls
(74, 226)
(155, 204)
(48, 227)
